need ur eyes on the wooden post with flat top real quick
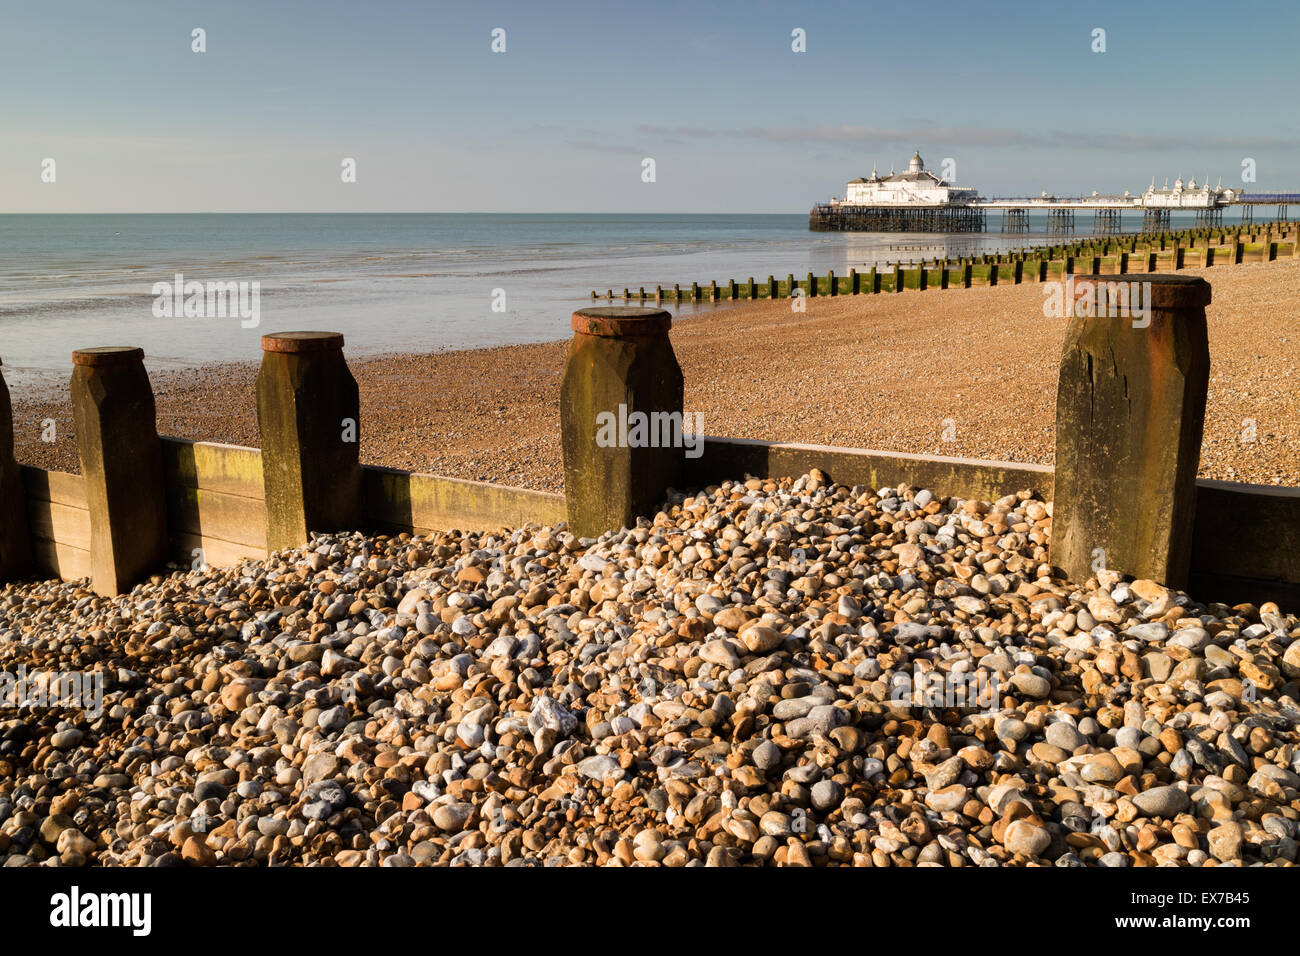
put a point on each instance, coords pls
(121, 465)
(308, 415)
(1130, 411)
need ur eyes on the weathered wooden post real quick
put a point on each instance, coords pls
(855, 282)
(753, 289)
(832, 284)
(620, 418)
(15, 536)
(773, 289)
(308, 415)
(812, 285)
(1130, 410)
(121, 464)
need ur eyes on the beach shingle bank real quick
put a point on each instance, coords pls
(769, 673)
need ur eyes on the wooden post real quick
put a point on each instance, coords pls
(621, 367)
(789, 284)
(308, 415)
(855, 282)
(1130, 411)
(732, 292)
(898, 277)
(812, 285)
(832, 283)
(121, 464)
(15, 536)
(753, 289)
(874, 281)
(713, 290)
(773, 289)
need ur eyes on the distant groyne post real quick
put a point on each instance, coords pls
(308, 416)
(1130, 412)
(620, 395)
(121, 465)
(15, 539)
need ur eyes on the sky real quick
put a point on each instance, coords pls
(734, 119)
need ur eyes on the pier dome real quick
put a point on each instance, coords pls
(916, 164)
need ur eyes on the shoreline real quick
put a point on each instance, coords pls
(920, 374)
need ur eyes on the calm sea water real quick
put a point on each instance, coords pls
(411, 282)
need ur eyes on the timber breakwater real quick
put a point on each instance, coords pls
(1165, 251)
(766, 654)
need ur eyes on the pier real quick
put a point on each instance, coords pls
(919, 201)
(1107, 214)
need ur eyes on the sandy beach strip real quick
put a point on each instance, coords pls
(901, 372)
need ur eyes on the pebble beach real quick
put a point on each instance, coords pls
(903, 372)
(763, 674)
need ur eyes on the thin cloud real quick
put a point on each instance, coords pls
(858, 136)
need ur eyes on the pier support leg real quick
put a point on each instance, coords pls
(1130, 411)
(621, 371)
(308, 414)
(15, 536)
(121, 464)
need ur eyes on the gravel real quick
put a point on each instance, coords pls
(611, 712)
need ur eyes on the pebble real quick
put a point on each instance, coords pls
(724, 684)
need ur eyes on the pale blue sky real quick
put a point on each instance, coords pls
(735, 120)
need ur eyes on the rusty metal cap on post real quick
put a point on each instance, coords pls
(621, 322)
(1166, 291)
(108, 355)
(299, 342)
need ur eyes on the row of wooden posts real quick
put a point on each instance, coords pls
(308, 414)
(1129, 418)
(1172, 250)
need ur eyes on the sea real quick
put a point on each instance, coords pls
(388, 282)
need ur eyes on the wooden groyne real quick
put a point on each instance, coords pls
(208, 503)
(1165, 251)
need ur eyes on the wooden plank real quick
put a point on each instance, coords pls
(402, 500)
(63, 524)
(211, 514)
(228, 469)
(1250, 531)
(58, 486)
(60, 560)
(734, 458)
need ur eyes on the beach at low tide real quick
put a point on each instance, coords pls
(959, 372)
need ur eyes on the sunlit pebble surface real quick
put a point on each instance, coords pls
(712, 687)
(891, 372)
